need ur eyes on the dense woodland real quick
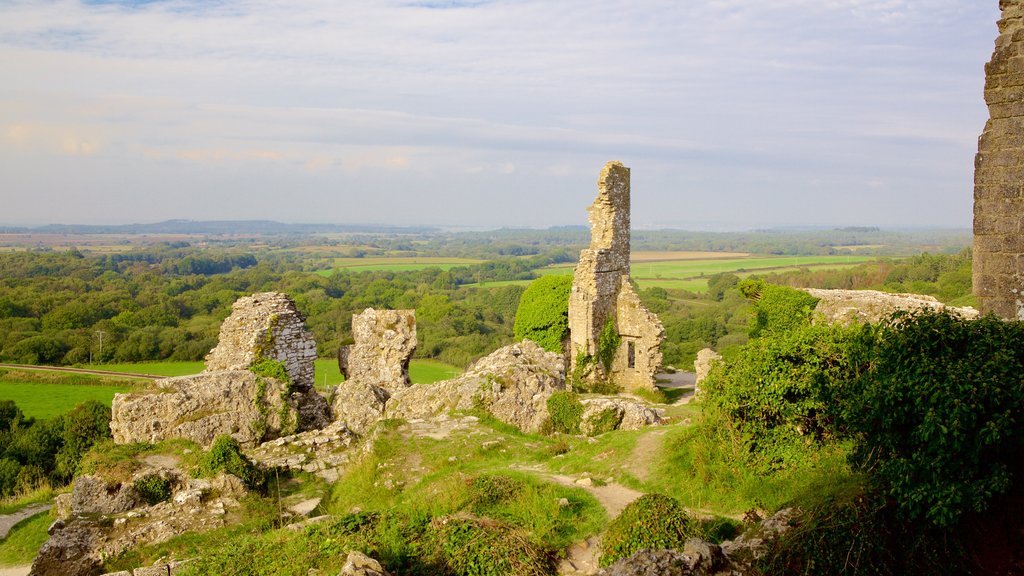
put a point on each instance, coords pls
(166, 302)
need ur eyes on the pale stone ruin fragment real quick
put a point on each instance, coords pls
(384, 343)
(602, 292)
(227, 398)
(999, 175)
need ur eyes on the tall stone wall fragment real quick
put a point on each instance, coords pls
(265, 325)
(999, 175)
(601, 291)
(384, 343)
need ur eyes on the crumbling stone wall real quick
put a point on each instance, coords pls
(265, 325)
(227, 398)
(384, 343)
(999, 175)
(601, 291)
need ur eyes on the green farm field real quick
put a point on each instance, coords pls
(399, 264)
(43, 400)
(690, 273)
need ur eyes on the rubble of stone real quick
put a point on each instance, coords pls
(869, 306)
(359, 564)
(628, 414)
(701, 558)
(998, 267)
(227, 398)
(602, 292)
(513, 384)
(322, 452)
(91, 526)
(384, 343)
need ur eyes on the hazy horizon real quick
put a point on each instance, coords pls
(489, 114)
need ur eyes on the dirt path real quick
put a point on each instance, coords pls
(645, 452)
(15, 570)
(80, 371)
(7, 521)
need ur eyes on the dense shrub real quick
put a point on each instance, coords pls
(939, 414)
(225, 455)
(653, 521)
(153, 488)
(781, 394)
(858, 532)
(543, 313)
(483, 547)
(776, 308)
(565, 411)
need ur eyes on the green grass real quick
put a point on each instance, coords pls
(397, 264)
(24, 540)
(41, 401)
(691, 273)
(155, 368)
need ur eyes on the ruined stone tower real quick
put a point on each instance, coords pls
(999, 175)
(601, 292)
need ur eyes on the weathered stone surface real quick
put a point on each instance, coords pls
(627, 414)
(513, 384)
(91, 495)
(265, 325)
(359, 404)
(998, 267)
(651, 563)
(248, 407)
(322, 452)
(869, 306)
(359, 564)
(601, 291)
(384, 342)
(70, 551)
(706, 359)
(227, 398)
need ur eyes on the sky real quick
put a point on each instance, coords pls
(731, 114)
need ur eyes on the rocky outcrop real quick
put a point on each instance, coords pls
(359, 405)
(998, 267)
(513, 384)
(248, 407)
(605, 414)
(265, 325)
(322, 452)
(227, 398)
(99, 529)
(92, 495)
(384, 342)
(701, 558)
(601, 292)
(868, 306)
(359, 564)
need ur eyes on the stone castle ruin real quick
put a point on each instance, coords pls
(228, 398)
(384, 342)
(603, 295)
(999, 175)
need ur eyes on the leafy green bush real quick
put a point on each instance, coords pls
(226, 455)
(490, 489)
(153, 488)
(565, 411)
(484, 547)
(939, 414)
(859, 532)
(543, 313)
(652, 521)
(781, 395)
(776, 308)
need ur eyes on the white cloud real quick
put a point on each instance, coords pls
(516, 98)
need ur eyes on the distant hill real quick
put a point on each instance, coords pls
(260, 227)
